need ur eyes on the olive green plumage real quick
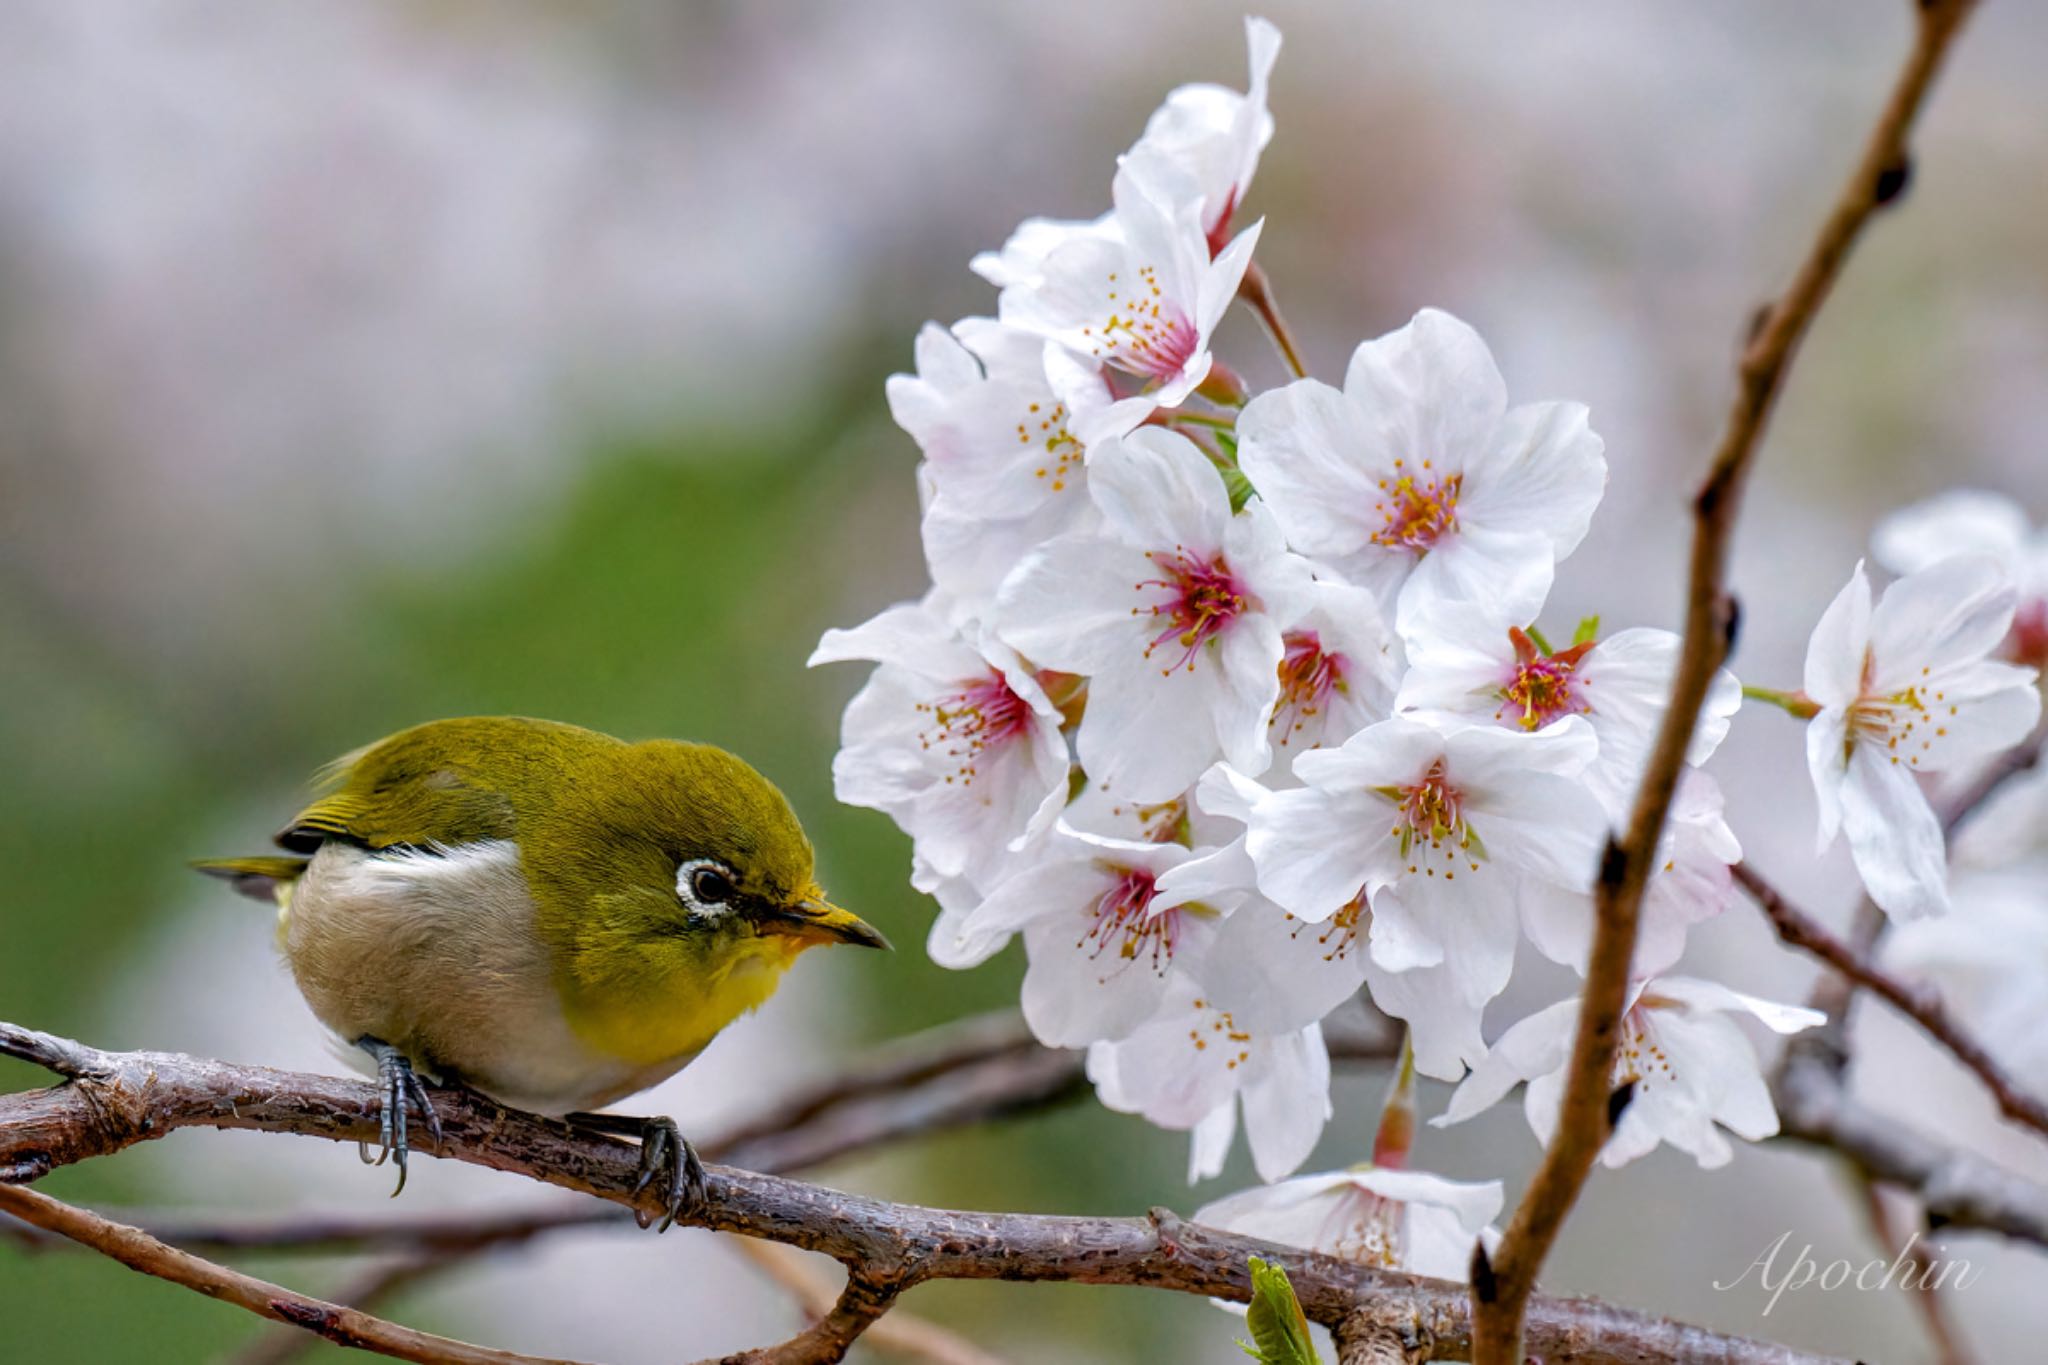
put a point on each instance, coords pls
(555, 917)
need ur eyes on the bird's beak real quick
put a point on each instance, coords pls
(816, 920)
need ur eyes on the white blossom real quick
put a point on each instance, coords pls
(1967, 521)
(1689, 1066)
(1142, 299)
(1271, 969)
(1005, 456)
(1471, 662)
(1690, 882)
(1904, 688)
(1192, 1066)
(1443, 830)
(1212, 136)
(1338, 671)
(956, 741)
(1388, 1218)
(1103, 939)
(1173, 611)
(1989, 960)
(1418, 481)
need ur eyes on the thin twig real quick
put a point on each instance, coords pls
(1955, 1188)
(119, 1099)
(1923, 1007)
(1583, 1122)
(858, 1307)
(1257, 291)
(1926, 1296)
(281, 1345)
(138, 1250)
(900, 1334)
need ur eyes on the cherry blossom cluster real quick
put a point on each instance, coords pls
(1231, 705)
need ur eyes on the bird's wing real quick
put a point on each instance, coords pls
(423, 787)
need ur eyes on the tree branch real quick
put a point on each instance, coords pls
(343, 1326)
(117, 1099)
(1923, 1007)
(279, 1345)
(1710, 621)
(1954, 1187)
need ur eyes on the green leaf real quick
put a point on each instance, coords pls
(1588, 631)
(1241, 490)
(1279, 1330)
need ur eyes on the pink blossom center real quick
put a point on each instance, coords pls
(1122, 922)
(1543, 687)
(1144, 332)
(982, 717)
(1417, 508)
(1202, 598)
(1366, 1228)
(2028, 642)
(1432, 827)
(1308, 677)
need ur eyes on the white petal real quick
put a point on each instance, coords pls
(1159, 492)
(1834, 656)
(1699, 994)
(1432, 386)
(1315, 850)
(1275, 973)
(1827, 764)
(1894, 836)
(1149, 733)
(1247, 665)
(1287, 1102)
(1542, 470)
(1290, 1212)
(1069, 605)
(1474, 1205)
(1508, 570)
(1536, 1046)
(1954, 610)
(1209, 1141)
(1442, 1027)
(1959, 521)
(1302, 446)
(907, 634)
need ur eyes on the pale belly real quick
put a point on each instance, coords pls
(439, 956)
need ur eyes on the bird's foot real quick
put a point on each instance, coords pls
(397, 1087)
(665, 1155)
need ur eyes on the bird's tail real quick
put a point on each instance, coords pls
(267, 879)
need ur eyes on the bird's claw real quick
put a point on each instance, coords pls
(666, 1155)
(665, 1152)
(398, 1086)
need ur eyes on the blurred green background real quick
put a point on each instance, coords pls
(365, 363)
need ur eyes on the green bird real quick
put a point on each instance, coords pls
(549, 916)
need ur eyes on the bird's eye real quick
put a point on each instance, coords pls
(710, 886)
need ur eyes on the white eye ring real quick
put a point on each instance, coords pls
(687, 877)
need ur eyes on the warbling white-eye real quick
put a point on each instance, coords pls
(547, 915)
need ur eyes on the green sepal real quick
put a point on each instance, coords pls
(1541, 643)
(1588, 631)
(1278, 1327)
